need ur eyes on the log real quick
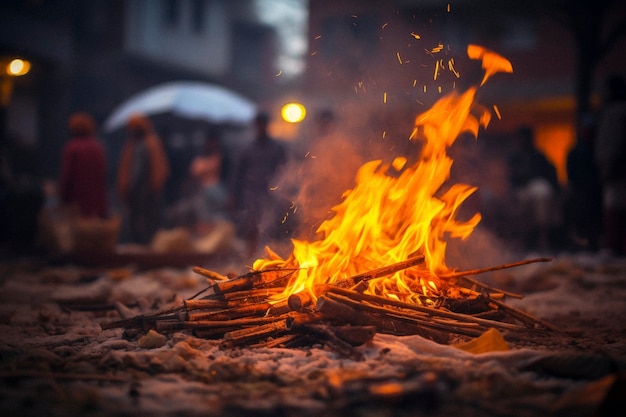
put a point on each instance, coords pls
(299, 301)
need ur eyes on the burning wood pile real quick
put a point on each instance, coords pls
(379, 265)
(341, 315)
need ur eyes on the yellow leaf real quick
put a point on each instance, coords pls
(490, 341)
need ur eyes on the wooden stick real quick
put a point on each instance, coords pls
(346, 314)
(379, 272)
(493, 290)
(278, 308)
(420, 309)
(245, 321)
(525, 317)
(209, 274)
(206, 304)
(254, 279)
(247, 335)
(493, 268)
(234, 313)
(299, 301)
(277, 342)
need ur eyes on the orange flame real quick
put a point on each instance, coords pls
(492, 62)
(397, 210)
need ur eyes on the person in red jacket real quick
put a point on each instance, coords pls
(83, 169)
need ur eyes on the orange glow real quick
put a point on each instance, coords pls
(555, 140)
(396, 210)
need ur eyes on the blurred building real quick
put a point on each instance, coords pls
(91, 55)
(394, 56)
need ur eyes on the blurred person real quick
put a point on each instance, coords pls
(208, 171)
(143, 171)
(535, 187)
(258, 166)
(212, 224)
(83, 169)
(583, 194)
(610, 155)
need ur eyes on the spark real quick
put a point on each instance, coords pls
(385, 97)
(399, 58)
(385, 25)
(436, 70)
(318, 37)
(452, 69)
(415, 35)
(495, 108)
(448, 7)
(437, 48)
(279, 73)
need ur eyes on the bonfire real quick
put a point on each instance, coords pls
(378, 264)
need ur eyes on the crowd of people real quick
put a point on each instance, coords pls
(233, 197)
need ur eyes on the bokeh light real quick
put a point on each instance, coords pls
(293, 112)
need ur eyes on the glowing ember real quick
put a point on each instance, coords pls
(398, 210)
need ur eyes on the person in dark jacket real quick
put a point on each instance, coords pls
(257, 169)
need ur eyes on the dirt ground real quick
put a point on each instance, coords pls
(56, 360)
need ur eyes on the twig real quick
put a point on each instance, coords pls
(493, 268)
(525, 317)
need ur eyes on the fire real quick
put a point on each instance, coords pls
(397, 210)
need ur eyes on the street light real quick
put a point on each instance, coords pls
(15, 67)
(9, 69)
(293, 112)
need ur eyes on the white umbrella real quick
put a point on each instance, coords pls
(188, 99)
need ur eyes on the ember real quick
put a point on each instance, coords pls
(379, 265)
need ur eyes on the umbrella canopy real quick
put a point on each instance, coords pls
(188, 99)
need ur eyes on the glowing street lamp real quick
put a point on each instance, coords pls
(11, 68)
(17, 67)
(293, 112)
